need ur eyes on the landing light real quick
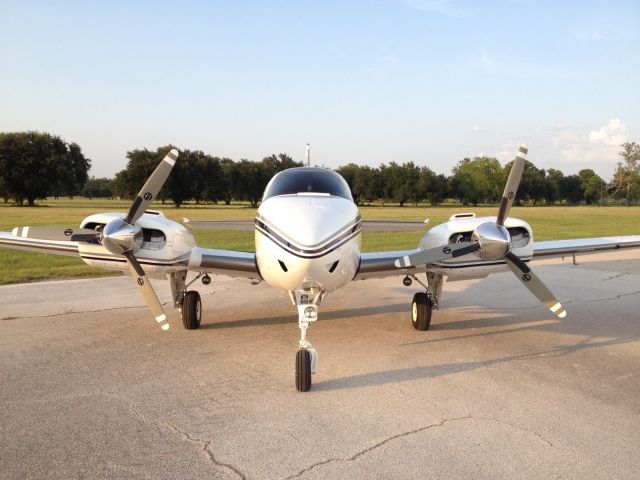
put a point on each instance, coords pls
(310, 312)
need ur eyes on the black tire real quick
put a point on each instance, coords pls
(421, 312)
(303, 370)
(191, 310)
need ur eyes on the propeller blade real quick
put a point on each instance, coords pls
(57, 233)
(147, 290)
(510, 189)
(437, 254)
(534, 284)
(152, 186)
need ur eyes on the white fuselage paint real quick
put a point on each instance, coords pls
(315, 238)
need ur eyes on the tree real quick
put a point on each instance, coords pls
(551, 186)
(592, 185)
(437, 189)
(32, 164)
(350, 172)
(478, 180)
(571, 189)
(248, 180)
(98, 188)
(626, 179)
(532, 184)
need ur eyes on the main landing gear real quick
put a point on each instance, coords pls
(307, 302)
(424, 302)
(188, 303)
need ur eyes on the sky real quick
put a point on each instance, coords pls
(428, 81)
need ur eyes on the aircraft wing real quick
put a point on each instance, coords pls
(562, 248)
(225, 262)
(381, 264)
(59, 247)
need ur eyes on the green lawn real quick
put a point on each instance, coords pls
(547, 223)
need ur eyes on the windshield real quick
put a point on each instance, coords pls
(307, 180)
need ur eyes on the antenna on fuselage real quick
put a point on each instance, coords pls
(308, 154)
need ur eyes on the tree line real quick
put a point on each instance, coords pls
(36, 165)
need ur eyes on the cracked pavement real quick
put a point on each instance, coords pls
(497, 388)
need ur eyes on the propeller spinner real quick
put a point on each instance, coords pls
(492, 241)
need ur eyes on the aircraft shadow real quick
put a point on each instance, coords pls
(432, 371)
(292, 318)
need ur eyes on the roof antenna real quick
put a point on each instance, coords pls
(308, 154)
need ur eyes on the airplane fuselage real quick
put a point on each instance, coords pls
(308, 241)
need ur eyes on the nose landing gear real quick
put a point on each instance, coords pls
(307, 302)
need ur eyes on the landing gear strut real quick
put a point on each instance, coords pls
(307, 302)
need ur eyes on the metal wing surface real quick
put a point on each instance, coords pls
(382, 264)
(562, 248)
(58, 247)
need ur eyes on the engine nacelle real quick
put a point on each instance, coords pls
(166, 245)
(460, 228)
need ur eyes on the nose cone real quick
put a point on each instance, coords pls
(308, 223)
(494, 240)
(118, 236)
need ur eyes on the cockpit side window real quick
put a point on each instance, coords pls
(307, 180)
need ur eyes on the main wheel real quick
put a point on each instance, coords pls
(421, 311)
(191, 310)
(303, 370)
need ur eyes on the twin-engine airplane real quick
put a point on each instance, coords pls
(307, 242)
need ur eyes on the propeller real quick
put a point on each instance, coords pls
(121, 236)
(493, 242)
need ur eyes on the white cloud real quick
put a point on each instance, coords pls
(597, 149)
(613, 133)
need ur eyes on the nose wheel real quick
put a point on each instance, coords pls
(303, 370)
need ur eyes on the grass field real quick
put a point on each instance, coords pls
(547, 223)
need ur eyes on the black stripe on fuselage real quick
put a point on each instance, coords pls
(350, 227)
(321, 252)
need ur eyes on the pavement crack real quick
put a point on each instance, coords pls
(517, 427)
(567, 302)
(617, 297)
(613, 277)
(375, 446)
(205, 443)
(369, 449)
